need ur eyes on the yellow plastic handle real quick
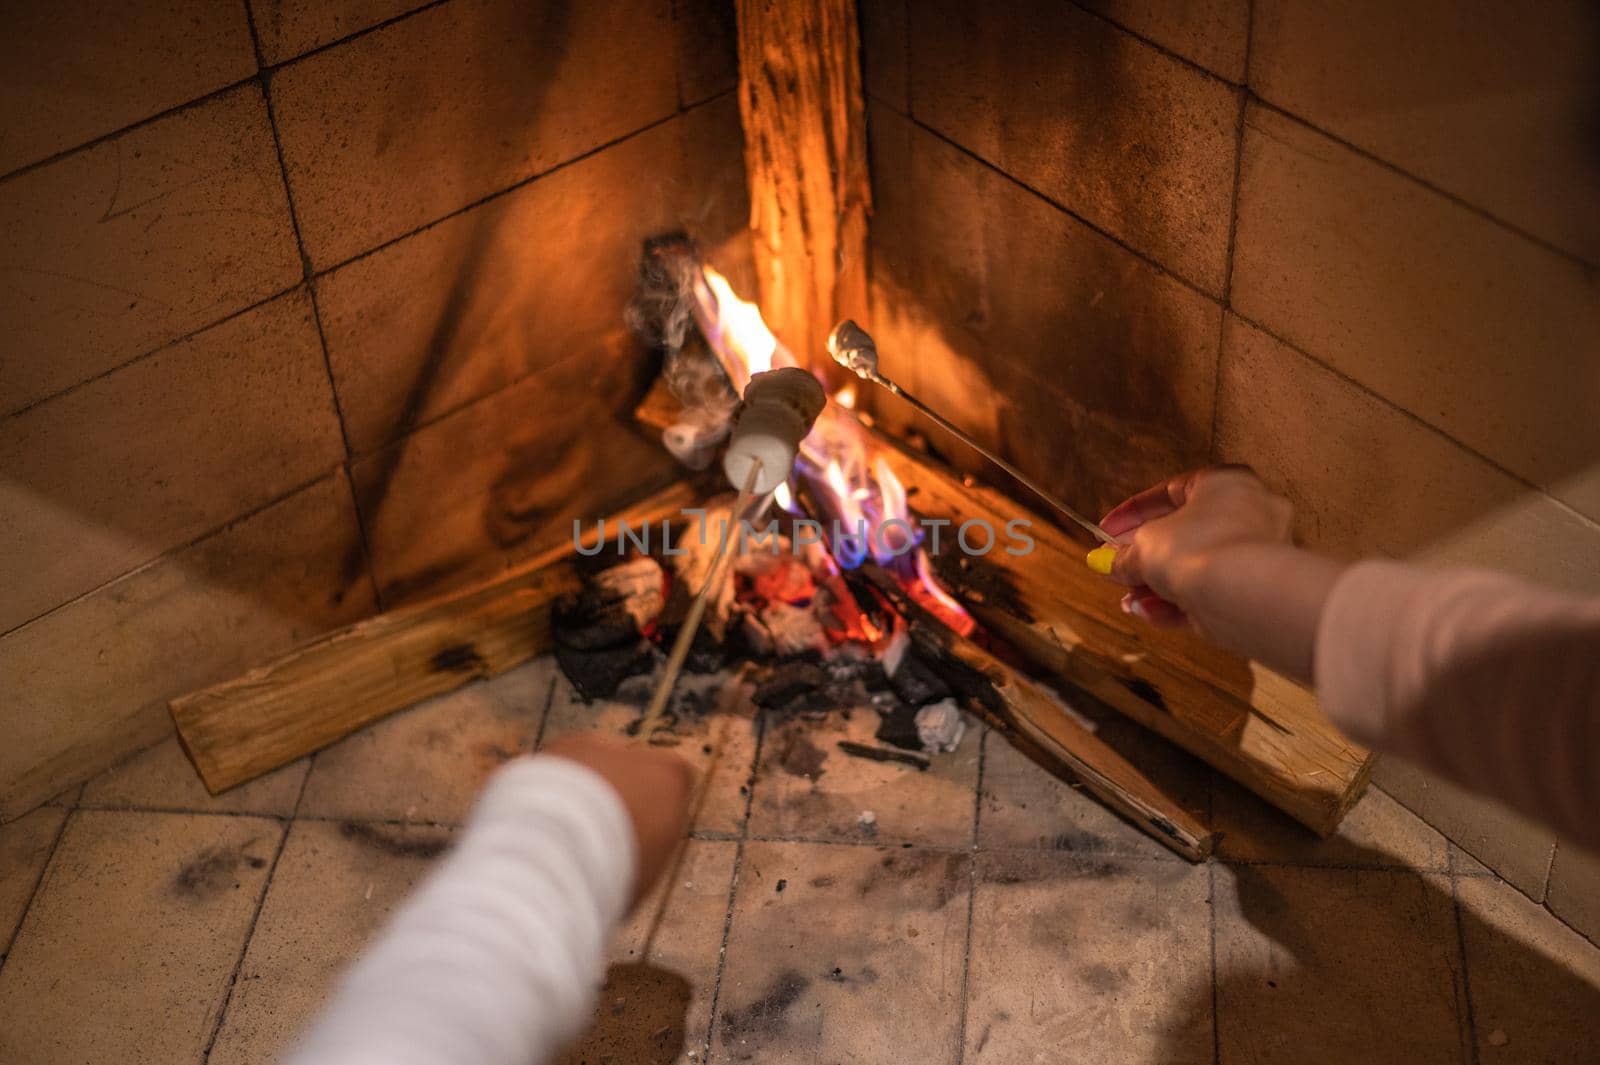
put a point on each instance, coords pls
(1100, 559)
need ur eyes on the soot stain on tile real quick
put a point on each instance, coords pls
(766, 1017)
(1076, 840)
(1102, 979)
(214, 870)
(393, 843)
(802, 758)
(903, 867)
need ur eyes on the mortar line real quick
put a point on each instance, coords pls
(1470, 1033)
(244, 947)
(544, 718)
(1544, 881)
(263, 75)
(1394, 168)
(1363, 152)
(168, 553)
(1233, 230)
(1415, 418)
(1168, 52)
(1211, 914)
(211, 96)
(733, 887)
(520, 183)
(972, 898)
(164, 346)
(38, 883)
(1154, 264)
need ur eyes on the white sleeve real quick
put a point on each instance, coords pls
(496, 959)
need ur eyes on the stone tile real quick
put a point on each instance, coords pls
(719, 743)
(82, 69)
(1575, 889)
(708, 49)
(88, 683)
(461, 310)
(133, 938)
(1025, 805)
(885, 39)
(1494, 104)
(1535, 984)
(657, 1008)
(25, 847)
(334, 887)
(1420, 300)
(1334, 965)
(160, 452)
(428, 763)
(858, 957)
(1136, 142)
(116, 250)
(163, 778)
(288, 28)
(507, 476)
(1213, 33)
(809, 789)
(1510, 845)
(1383, 482)
(1377, 833)
(1090, 382)
(1110, 958)
(425, 116)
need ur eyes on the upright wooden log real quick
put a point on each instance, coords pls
(806, 158)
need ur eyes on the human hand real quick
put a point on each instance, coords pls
(1173, 531)
(654, 786)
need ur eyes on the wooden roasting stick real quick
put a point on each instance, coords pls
(697, 611)
(329, 688)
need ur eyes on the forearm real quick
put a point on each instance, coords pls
(1484, 679)
(1263, 600)
(496, 959)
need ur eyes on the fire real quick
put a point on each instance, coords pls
(865, 512)
(740, 329)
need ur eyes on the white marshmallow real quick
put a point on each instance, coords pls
(853, 348)
(778, 411)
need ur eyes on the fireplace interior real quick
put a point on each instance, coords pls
(370, 368)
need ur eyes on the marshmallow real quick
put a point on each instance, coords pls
(778, 410)
(852, 347)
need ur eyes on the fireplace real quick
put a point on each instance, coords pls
(321, 351)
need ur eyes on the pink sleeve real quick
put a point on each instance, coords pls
(1482, 678)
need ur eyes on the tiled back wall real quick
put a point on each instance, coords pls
(312, 307)
(1353, 245)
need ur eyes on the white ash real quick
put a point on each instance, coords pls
(693, 439)
(940, 726)
(637, 584)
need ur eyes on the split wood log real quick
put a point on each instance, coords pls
(1021, 708)
(325, 690)
(1247, 721)
(805, 150)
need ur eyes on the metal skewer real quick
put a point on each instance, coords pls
(697, 610)
(853, 348)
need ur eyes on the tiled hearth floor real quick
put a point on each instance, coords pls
(988, 913)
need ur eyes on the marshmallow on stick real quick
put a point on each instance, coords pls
(778, 410)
